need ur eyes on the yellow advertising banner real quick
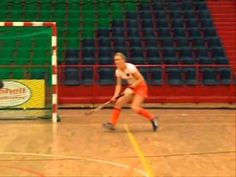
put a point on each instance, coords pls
(22, 94)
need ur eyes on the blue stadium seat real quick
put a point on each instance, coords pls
(219, 56)
(203, 56)
(71, 61)
(161, 15)
(214, 43)
(179, 33)
(120, 42)
(133, 32)
(186, 5)
(177, 23)
(135, 42)
(132, 23)
(151, 43)
(87, 76)
(118, 24)
(144, 72)
(131, 15)
(74, 53)
(88, 56)
(148, 33)
(176, 14)
(200, 5)
(194, 33)
(157, 6)
(104, 42)
(225, 76)
(156, 76)
(169, 56)
(72, 57)
(198, 43)
(190, 75)
(209, 76)
(71, 76)
(173, 6)
(160, 23)
(106, 76)
(189, 14)
(147, 23)
(192, 23)
(137, 56)
(182, 43)
(105, 57)
(175, 76)
(168, 42)
(186, 56)
(103, 33)
(118, 32)
(144, 7)
(207, 23)
(164, 33)
(145, 15)
(204, 14)
(209, 32)
(35, 73)
(153, 56)
(88, 43)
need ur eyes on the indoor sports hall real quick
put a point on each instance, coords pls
(117, 88)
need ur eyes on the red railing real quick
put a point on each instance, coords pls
(164, 93)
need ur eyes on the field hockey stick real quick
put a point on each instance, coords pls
(102, 105)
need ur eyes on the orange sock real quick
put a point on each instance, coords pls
(115, 116)
(143, 112)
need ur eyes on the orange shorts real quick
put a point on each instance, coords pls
(141, 90)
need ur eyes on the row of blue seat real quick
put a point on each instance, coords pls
(154, 76)
(174, 14)
(151, 42)
(172, 4)
(165, 32)
(150, 23)
(148, 56)
(73, 5)
(159, 33)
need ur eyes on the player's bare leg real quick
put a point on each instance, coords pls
(136, 106)
(117, 109)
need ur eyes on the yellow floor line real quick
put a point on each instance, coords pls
(147, 167)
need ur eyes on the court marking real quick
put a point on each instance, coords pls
(130, 171)
(182, 154)
(107, 162)
(29, 171)
(139, 152)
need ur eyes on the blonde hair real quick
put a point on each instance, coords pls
(121, 55)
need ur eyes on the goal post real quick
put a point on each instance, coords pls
(16, 85)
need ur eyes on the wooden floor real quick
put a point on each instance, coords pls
(189, 143)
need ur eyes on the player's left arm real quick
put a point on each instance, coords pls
(139, 79)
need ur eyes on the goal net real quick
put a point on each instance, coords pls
(28, 70)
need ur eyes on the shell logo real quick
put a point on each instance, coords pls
(14, 94)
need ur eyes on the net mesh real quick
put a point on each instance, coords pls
(25, 69)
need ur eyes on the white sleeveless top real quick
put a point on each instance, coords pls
(127, 73)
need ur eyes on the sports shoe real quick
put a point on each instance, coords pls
(109, 126)
(155, 124)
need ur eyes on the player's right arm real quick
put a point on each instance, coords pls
(117, 88)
